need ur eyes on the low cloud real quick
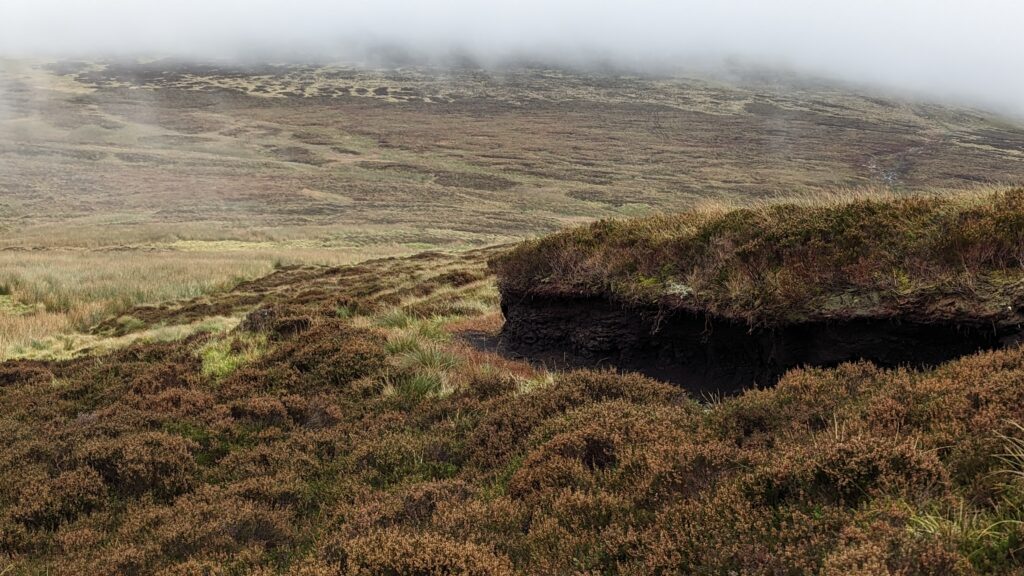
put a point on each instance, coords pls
(962, 50)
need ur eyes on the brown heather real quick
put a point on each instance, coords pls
(361, 436)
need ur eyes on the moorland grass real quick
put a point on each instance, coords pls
(51, 293)
(933, 257)
(64, 292)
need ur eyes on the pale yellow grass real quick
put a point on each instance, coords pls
(56, 292)
(86, 285)
(17, 330)
(68, 345)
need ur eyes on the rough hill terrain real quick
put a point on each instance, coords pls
(719, 299)
(138, 182)
(357, 421)
(342, 157)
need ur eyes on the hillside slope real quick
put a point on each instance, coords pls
(357, 421)
(128, 182)
(343, 157)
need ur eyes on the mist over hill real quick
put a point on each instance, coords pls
(945, 50)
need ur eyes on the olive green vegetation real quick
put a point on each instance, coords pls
(938, 258)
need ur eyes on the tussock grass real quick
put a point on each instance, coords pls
(987, 533)
(69, 291)
(403, 343)
(432, 358)
(960, 256)
(18, 331)
(91, 285)
(52, 344)
(395, 318)
(425, 365)
(415, 385)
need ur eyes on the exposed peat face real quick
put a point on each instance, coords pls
(708, 355)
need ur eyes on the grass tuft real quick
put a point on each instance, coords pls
(395, 318)
(223, 356)
(432, 357)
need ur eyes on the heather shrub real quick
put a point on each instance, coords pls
(877, 541)
(23, 372)
(211, 523)
(585, 531)
(269, 376)
(278, 322)
(412, 506)
(312, 412)
(723, 532)
(177, 403)
(165, 376)
(264, 460)
(614, 445)
(59, 500)
(333, 355)
(261, 411)
(487, 518)
(279, 490)
(847, 471)
(511, 420)
(156, 463)
(458, 278)
(416, 554)
(990, 234)
(405, 456)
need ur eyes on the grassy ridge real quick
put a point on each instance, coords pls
(345, 427)
(941, 258)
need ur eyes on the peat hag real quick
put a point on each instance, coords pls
(704, 354)
(721, 300)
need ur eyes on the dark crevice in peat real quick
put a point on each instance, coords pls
(708, 355)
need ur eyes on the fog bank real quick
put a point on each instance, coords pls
(962, 50)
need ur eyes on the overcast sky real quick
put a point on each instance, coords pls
(966, 49)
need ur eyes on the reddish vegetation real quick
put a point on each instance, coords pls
(301, 462)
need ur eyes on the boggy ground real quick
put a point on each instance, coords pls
(346, 426)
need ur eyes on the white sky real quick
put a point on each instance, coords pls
(967, 49)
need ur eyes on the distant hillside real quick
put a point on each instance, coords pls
(341, 157)
(125, 183)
